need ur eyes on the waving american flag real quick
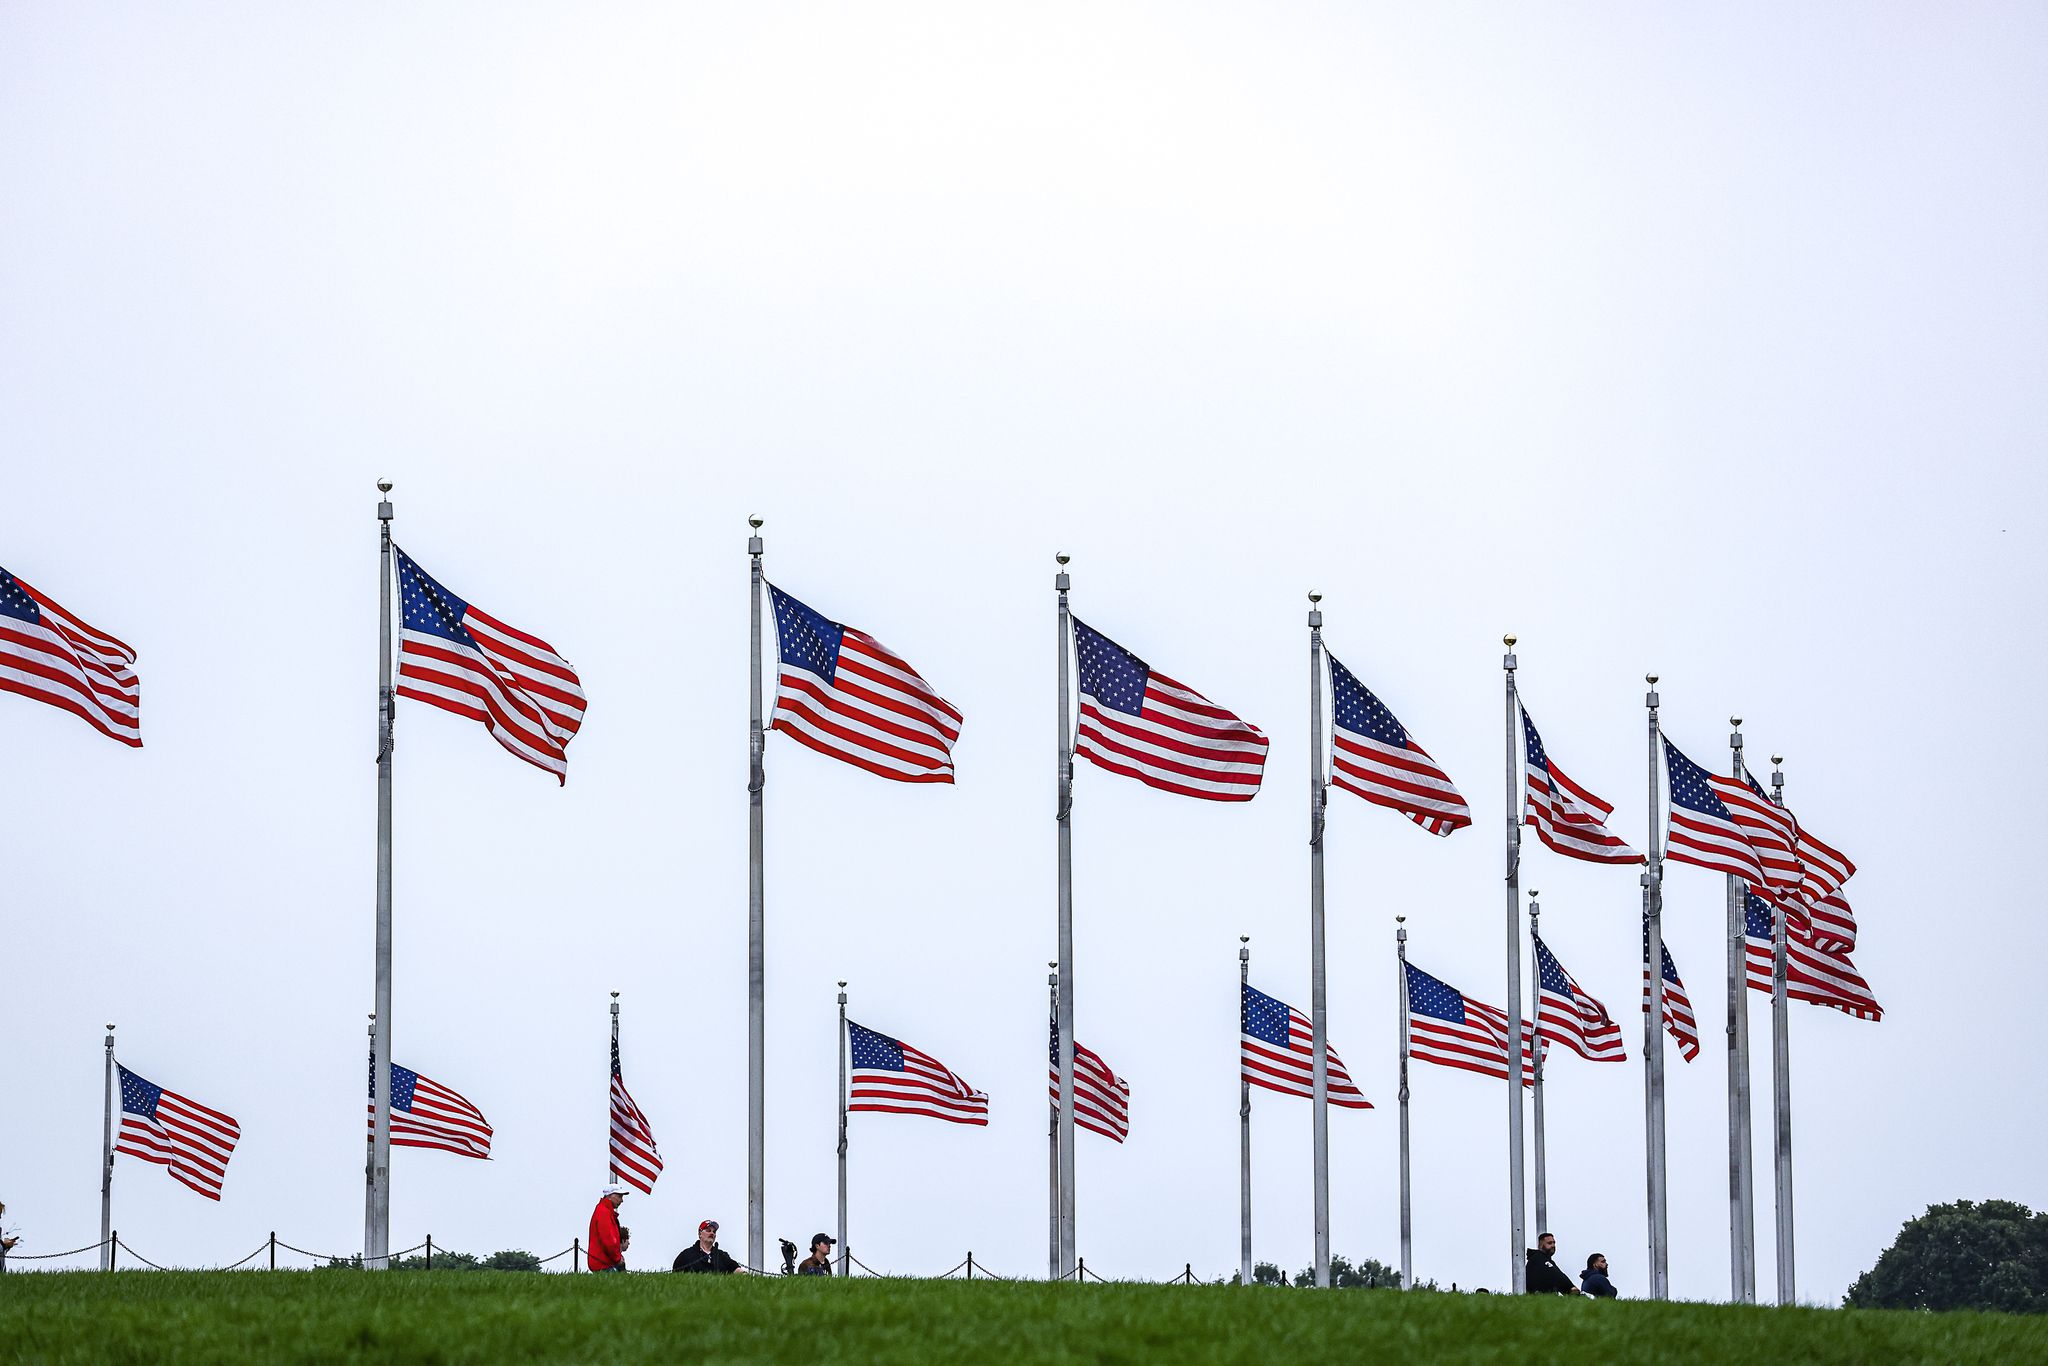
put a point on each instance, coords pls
(426, 1114)
(1567, 817)
(1276, 1050)
(1138, 722)
(1566, 1014)
(844, 693)
(1447, 1027)
(1102, 1099)
(635, 1158)
(891, 1077)
(1678, 1016)
(51, 656)
(1812, 974)
(192, 1142)
(1373, 756)
(1703, 830)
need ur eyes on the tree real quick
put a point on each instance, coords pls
(1366, 1275)
(1265, 1273)
(1967, 1255)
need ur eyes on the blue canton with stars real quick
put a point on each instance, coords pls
(1427, 996)
(1354, 708)
(16, 603)
(1110, 674)
(138, 1097)
(1549, 971)
(1689, 786)
(875, 1052)
(1532, 745)
(1670, 968)
(427, 606)
(1265, 1019)
(804, 638)
(1756, 918)
(404, 1081)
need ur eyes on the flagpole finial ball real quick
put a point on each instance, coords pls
(754, 522)
(1399, 919)
(1508, 640)
(1735, 721)
(615, 996)
(1315, 597)
(383, 486)
(1533, 894)
(1650, 679)
(1244, 939)
(842, 986)
(1062, 557)
(1777, 758)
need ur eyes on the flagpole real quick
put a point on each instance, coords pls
(615, 1053)
(1741, 1176)
(845, 1250)
(1319, 982)
(1518, 1270)
(1061, 583)
(369, 1135)
(1653, 1027)
(757, 1014)
(1407, 1222)
(107, 1162)
(377, 1236)
(1052, 1146)
(1781, 1078)
(1536, 1075)
(1244, 1127)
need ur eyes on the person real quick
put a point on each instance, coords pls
(1593, 1280)
(7, 1240)
(819, 1263)
(607, 1251)
(705, 1255)
(1545, 1277)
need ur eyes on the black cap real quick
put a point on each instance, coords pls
(817, 1238)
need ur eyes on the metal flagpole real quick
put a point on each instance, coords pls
(1536, 1075)
(1653, 1025)
(1244, 1127)
(845, 1250)
(1741, 1175)
(1518, 1268)
(1065, 817)
(1319, 981)
(1781, 1078)
(369, 1136)
(377, 1236)
(615, 1053)
(1407, 1222)
(107, 1163)
(757, 1011)
(1052, 1146)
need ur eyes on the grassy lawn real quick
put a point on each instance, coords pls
(330, 1316)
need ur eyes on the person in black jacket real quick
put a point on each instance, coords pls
(1593, 1280)
(1545, 1277)
(705, 1255)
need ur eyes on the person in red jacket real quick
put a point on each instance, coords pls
(605, 1252)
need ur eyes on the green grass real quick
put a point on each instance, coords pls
(330, 1316)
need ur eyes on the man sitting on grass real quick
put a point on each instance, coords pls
(1593, 1280)
(1545, 1277)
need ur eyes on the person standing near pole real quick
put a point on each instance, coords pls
(607, 1252)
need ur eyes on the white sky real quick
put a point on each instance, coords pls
(1703, 341)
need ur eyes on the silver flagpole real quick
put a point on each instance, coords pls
(1319, 980)
(1407, 1221)
(1065, 817)
(1536, 1075)
(757, 1009)
(1052, 1146)
(107, 1163)
(1741, 1175)
(1653, 1027)
(614, 1167)
(369, 1136)
(1518, 1269)
(1781, 1079)
(1244, 1126)
(377, 1237)
(845, 1250)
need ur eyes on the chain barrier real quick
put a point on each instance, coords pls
(122, 1243)
(45, 1256)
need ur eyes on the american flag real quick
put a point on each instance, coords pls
(1702, 830)
(1448, 1027)
(190, 1141)
(1823, 870)
(635, 1159)
(1140, 723)
(1678, 1016)
(1566, 1014)
(457, 658)
(1811, 974)
(891, 1077)
(1833, 924)
(1567, 817)
(1770, 829)
(844, 693)
(1102, 1099)
(426, 1114)
(51, 656)
(1374, 757)
(1276, 1050)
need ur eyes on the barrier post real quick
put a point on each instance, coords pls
(575, 1256)
(273, 1249)
(430, 1252)
(970, 1264)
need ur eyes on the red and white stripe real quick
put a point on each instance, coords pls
(1571, 820)
(875, 713)
(66, 663)
(1814, 975)
(1834, 924)
(1678, 1017)
(1479, 1045)
(1293, 1071)
(1770, 830)
(1580, 1023)
(1408, 780)
(524, 693)
(635, 1159)
(924, 1087)
(1102, 1099)
(193, 1141)
(440, 1118)
(1179, 742)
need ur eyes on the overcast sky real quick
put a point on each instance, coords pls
(1702, 341)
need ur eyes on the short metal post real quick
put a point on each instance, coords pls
(575, 1256)
(970, 1263)
(1080, 1270)
(113, 1242)
(430, 1252)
